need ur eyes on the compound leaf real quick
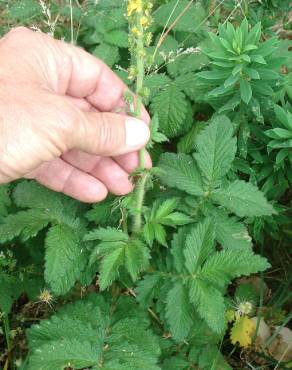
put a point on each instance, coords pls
(171, 108)
(221, 267)
(58, 355)
(209, 303)
(25, 224)
(199, 244)
(178, 311)
(64, 258)
(244, 199)
(216, 148)
(181, 172)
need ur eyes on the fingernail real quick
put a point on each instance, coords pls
(137, 133)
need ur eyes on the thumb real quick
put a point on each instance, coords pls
(110, 134)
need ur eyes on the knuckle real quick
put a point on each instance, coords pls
(68, 123)
(109, 135)
(17, 31)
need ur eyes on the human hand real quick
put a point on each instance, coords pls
(57, 119)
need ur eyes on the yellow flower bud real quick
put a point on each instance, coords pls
(135, 31)
(134, 6)
(144, 21)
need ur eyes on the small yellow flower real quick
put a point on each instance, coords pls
(144, 21)
(134, 6)
(132, 73)
(135, 31)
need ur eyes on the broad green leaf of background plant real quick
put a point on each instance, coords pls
(65, 258)
(216, 148)
(5, 201)
(199, 244)
(230, 233)
(244, 199)
(209, 303)
(10, 289)
(189, 22)
(181, 172)
(178, 311)
(171, 107)
(163, 214)
(116, 249)
(62, 341)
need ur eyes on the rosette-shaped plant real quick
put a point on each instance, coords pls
(243, 68)
(281, 135)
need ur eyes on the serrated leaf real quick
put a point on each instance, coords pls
(64, 258)
(104, 213)
(136, 258)
(186, 143)
(108, 234)
(185, 65)
(181, 172)
(29, 194)
(91, 332)
(188, 21)
(199, 244)
(230, 233)
(146, 289)
(61, 326)
(59, 355)
(107, 53)
(216, 148)
(222, 267)
(177, 219)
(149, 233)
(109, 268)
(5, 201)
(24, 224)
(57, 207)
(156, 83)
(178, 311)
(165, 208)
(10, 289)
(209, 303)
(160, 234)
(132, 254)
(24, 10)
(117, 38)
(171, 107)
(244, 199)
(177, 249)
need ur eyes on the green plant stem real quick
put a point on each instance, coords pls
(140, 195)
(141, 184)
(140, 65)
(7, 331)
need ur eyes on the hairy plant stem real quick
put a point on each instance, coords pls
(142, 182)
(140, 195)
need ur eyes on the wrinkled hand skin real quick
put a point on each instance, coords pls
(62, 120)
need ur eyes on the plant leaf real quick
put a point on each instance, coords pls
(244, 199)
(216, 149)
(181, 172)
(178, 311)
